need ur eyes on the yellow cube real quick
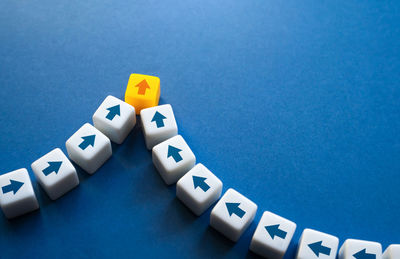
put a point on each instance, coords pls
(142, 91)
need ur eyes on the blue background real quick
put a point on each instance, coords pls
(293, 103)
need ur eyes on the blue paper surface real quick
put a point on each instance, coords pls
(294, 104)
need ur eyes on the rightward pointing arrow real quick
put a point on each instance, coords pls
(87, 141)
(159, 119)
(364, 255)
(113, 111)
(200, 182)
(174, 152)
(233, 208)
(53, 167)
(273, 231)
(143, 85)
(14, 186)
(318, 248)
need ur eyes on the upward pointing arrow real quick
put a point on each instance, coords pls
(233, 208)
(113, 111)
(318, 248)
(87, 141)
(273, 230)
(143, 85)
(14, 186)
(159, 119)
(200, 182)
(364, 255)
(174, 152)
(53, 167)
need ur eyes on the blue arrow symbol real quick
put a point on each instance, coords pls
(113, 111)
(273, 230)
(364, 255)
(159, 119)
(233, 208)
(200, 182)
(87, 141)
(174, 152)
(318, 248)
(53, 167)
(14, 186)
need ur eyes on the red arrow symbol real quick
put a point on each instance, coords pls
(142, 87)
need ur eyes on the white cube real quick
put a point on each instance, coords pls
(55, 173)
(17, 195)
(115, 119)
(198, 189)
(233, 214)
(173, 158)
(392, 252)
(158, 124)
(272, 236)
(359, 249)
(315, 244)
(89, 148)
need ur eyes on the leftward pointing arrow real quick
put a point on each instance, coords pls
(318, 248)
(200, 182)
(233, 208)
(364, 255)
(174, 152)
(273, 230)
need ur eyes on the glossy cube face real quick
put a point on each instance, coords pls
(115, 119)
(233, 214)
(142, 91)
(55, 173)
(17, 196)
(392, 252)
(315, 244)
(89, 148)
(173, 158)
(158, 124)
(198, 189)
(353, 248)
(272, 236)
